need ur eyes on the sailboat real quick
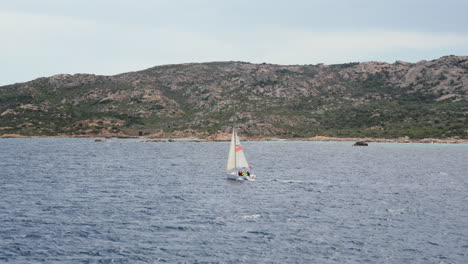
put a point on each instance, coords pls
(237, 161)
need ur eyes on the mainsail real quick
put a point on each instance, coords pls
(236, 159)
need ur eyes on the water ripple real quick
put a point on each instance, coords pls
(77, 201)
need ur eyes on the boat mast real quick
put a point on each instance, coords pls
(235, 140)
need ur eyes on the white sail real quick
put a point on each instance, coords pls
(236, 159)
(231, 164)
(241, 161)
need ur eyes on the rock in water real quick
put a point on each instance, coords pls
(360, 143)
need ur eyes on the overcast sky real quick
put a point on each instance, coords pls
(46, 37)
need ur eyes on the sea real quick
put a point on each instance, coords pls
(74, 200)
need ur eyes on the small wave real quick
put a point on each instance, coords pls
(300, 182)
(355, 242)
(255, 216)
(259, 233)
(178, 197)
(411, 250)
(292, 181)
(33, 236)
(179, 228)
(83, 234)
(213, 222)
(354, 249)
(262, 234)
(397, 211)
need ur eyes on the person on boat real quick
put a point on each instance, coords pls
(248, 173)
(244, 174)
(239, 173)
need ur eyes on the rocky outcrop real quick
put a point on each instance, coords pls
(219, 137)
(361, 144)
(201, 99)
(11, 136)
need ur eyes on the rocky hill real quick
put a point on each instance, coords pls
(371, 99)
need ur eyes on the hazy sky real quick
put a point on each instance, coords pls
(46, 37)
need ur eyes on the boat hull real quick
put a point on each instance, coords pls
(236, 177)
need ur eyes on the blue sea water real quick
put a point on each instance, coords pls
(130, 201)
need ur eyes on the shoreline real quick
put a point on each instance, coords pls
(226, 137)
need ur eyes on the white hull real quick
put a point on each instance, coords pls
(235, 176)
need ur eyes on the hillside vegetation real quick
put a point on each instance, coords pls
(372, 99)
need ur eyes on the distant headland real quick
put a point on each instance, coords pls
(376, 101)
(226, 137)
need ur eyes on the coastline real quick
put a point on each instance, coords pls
(226, 137)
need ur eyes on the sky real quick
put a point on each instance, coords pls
(106, 37)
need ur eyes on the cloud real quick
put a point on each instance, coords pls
(35, 45)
